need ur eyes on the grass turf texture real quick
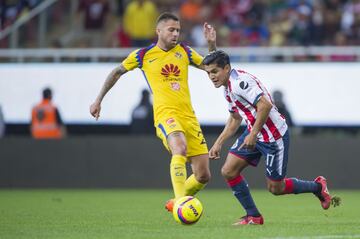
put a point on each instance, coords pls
(140, 214)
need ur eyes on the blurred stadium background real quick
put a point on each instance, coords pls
(307, 49)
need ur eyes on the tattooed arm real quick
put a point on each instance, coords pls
(110, 81)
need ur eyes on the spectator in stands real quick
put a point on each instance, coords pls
(190, 11)
(317, 23)
(142, 118)
(46, 122)
(300, 33)
(279, 27)
(9, 11)
(256, 34)
(281, 106)
(139, 21)
(234, 12)
(119, 38)
(91, 21)
(28, 34)
(120, 9)
(193, 13)
(350, 22)
(244, 20)
(354, 36)
(168, 5)
(332, 19)
(2, 124)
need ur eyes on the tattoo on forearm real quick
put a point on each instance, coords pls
(111, 80)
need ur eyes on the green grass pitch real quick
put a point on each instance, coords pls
(135, 214)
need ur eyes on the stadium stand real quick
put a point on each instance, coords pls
(239, 22)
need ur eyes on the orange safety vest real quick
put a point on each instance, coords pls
(44, 124)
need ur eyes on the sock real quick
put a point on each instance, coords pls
(296, 186)
(242, 193)
(192, 186)
(178, 175)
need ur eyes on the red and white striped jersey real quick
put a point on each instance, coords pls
(242, 93)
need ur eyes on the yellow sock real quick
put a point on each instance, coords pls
(178, 175)
(192, 186)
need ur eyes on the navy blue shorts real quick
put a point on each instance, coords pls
(275, 153)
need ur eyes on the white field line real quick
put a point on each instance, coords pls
(317, 237)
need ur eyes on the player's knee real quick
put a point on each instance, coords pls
(228, 173)
(203, 177)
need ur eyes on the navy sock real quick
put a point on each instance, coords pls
(241, 192)
(296, 186)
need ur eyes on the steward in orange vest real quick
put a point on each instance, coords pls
(46, 122)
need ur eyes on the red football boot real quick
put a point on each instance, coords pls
(323, 195)
(169, 205)
(249, 220)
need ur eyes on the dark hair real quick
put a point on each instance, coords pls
(47, 94)
(166, 16)
(219, 57)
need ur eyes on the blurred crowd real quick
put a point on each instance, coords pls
(11, 10)
(126, 23)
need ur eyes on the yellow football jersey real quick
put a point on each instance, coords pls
(166, 73)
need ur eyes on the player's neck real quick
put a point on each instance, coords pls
(163, 46)
(227, 79)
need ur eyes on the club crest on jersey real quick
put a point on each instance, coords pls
(178, 55)
(244, 85)
(170, 121)
(170, 69)
(175, 86)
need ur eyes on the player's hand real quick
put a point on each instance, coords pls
(214, 152)
(249, 142)
(209, 32)
(95, 109)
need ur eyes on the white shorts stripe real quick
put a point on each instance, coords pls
(280, 155)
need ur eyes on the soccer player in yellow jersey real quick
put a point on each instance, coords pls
(165, 67)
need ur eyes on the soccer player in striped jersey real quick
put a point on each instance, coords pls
(266, 135)
(165, 69)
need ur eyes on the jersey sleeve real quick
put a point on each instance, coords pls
(246, 87)
(132, 61)
(195, 58)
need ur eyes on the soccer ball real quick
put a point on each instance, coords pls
(187, 210)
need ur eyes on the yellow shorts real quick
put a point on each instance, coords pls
(196, 144)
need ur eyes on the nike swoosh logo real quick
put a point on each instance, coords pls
(152, 60)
